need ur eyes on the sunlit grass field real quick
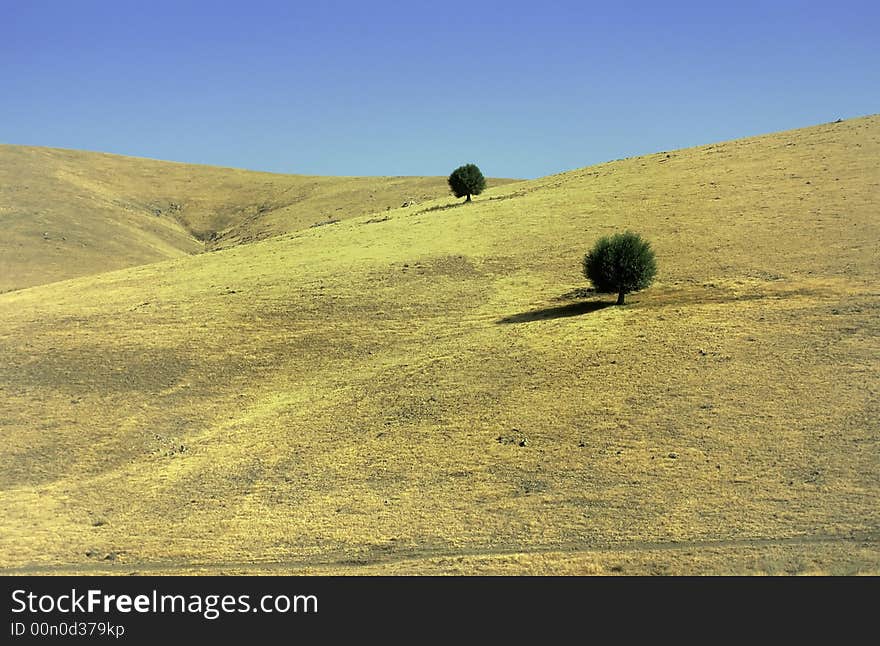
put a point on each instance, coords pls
(68, 213)
(432, 389)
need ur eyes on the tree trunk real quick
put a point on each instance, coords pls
(468, 198)
(620, 295)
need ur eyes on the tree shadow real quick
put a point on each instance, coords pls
(578, 292)
(561, 311)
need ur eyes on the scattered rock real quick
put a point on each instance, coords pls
(513, 438)
(100, 522)
(110, 556)
(673, 456)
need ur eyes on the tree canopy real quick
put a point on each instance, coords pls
(621, 264)
(467, 180)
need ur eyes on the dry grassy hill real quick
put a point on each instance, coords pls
(69, 213)
(434, 392)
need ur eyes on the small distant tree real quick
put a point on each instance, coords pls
(467, 180)
(620, 264)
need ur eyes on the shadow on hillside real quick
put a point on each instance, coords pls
(579, 292)
(572, 309)
(440, 207)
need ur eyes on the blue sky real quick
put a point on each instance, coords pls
(418, 88)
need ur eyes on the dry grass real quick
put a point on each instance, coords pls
(353, 398)
(68, 213)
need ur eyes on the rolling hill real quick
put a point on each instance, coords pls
(69, 213)
(433, 390)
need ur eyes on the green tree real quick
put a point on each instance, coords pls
(467, 180)
(620, 264)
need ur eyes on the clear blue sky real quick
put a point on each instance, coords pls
(417, 88)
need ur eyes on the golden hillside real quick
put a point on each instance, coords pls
(436, 393)
(69, 213)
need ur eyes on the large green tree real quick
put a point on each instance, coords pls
(620, 264)
(467, 180)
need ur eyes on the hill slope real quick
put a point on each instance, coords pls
(69, 213)
(435, 392)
